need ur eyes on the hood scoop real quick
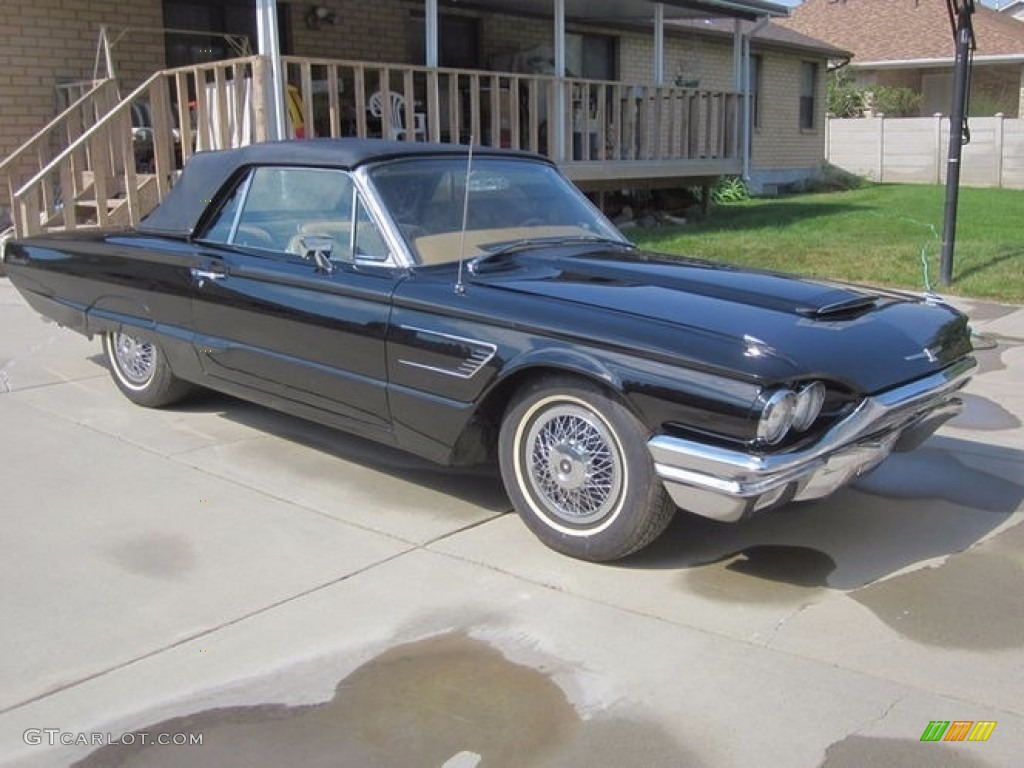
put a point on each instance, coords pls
(840, 309)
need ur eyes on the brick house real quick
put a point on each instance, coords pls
(615, 117)
(910, 44)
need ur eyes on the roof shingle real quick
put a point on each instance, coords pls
(901, 30)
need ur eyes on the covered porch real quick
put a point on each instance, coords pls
(603, 133)
(609, 131)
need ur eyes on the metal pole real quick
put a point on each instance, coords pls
(266, 31)
(431, 32)
(961, 73)
(659, 44)
(560, 100)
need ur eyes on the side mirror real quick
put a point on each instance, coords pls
(318, 249)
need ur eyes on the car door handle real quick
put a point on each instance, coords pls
(201, 275)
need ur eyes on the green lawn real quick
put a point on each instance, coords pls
(876, 235)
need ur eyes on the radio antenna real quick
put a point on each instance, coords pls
(459, 286)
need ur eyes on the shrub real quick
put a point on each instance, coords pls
(844, 98)
(896, 101)
(730, 189)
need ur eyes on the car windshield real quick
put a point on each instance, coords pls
(509, 200)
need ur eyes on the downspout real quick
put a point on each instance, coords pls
(745, 57)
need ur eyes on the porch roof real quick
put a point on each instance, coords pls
(633, 11)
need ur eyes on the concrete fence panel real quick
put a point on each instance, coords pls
(914, 150)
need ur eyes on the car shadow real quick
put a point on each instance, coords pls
(915, 507)
(477, 485)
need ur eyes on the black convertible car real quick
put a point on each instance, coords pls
(471, 307)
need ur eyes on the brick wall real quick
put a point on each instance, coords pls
(47, 41)
(363, 31)
(778, 142)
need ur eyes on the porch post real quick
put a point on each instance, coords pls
(560, 102)
(431, 47)
(659, 44)
(266, 32)
(737, 55)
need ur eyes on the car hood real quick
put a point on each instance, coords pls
(867, 339)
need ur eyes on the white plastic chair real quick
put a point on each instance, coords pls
(396, 128)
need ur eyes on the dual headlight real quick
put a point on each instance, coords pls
(789, 409)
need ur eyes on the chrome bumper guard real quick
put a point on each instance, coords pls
(728, 485)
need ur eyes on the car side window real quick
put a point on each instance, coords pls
(279, 209)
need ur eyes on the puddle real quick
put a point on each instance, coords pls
(448, 701)
(859, 751)
(160, 555)
(420, 704)
(619, 743)
(934, 473)
(973, 600)
(983, 414)
(763, 573)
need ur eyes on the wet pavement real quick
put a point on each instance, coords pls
(292, 595)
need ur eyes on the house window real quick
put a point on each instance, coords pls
(808, 95)
(756, 65)
(233, 17)
(458, 40)
(590, 56)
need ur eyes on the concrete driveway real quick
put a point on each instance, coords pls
(290, 595)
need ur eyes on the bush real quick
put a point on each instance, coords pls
(896, 101)
(730, 189)
(986, 105)
(844, 98)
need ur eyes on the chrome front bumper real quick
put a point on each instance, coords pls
(729, 485)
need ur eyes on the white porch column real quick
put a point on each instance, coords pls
(267, 45)
(560, 101)
(431, 47)
(659, 44)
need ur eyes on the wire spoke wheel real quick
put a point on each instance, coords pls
(577, 469)
(574, 464)
(135, 358)
(141, 371)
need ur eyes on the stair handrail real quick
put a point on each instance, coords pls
(33, 142)
(122, 105)
(117, 112)
(99, 125)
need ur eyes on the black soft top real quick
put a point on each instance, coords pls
(207, 172)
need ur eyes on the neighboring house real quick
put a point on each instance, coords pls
(615, 119)
(1015, 10)
(910, 43)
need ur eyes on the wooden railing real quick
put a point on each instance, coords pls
(125, 162)
(64, 130)
(601, 120)
(115, 160)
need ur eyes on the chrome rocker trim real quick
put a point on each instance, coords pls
(729, 485)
